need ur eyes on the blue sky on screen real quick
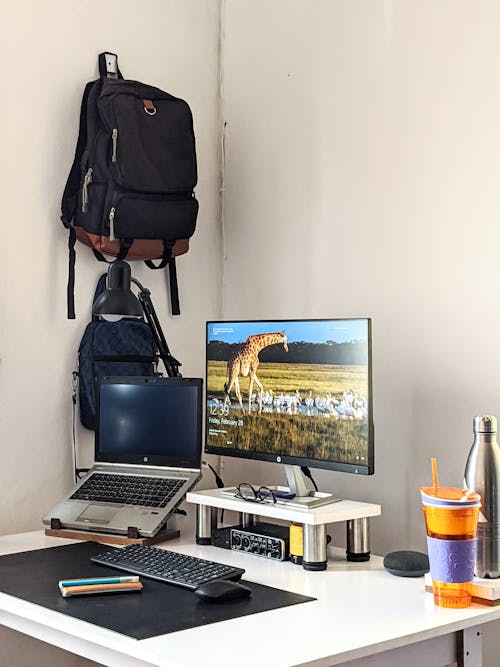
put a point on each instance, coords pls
(311, 331)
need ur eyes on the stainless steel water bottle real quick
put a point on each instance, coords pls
(482, 474)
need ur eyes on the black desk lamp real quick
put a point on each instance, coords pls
(118, 301)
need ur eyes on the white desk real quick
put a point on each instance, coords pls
(361, 610)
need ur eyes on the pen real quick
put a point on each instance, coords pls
(105, 580)
(69, 591)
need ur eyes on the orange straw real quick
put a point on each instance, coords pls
(434, 475)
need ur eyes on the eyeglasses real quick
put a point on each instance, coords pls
(263, 494)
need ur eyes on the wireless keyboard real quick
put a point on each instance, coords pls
(167, 566)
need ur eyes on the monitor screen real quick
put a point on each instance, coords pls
(150, 420)
(296, 392)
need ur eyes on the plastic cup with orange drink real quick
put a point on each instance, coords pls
(451, 516)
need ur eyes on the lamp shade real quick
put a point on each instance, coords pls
(118, 300)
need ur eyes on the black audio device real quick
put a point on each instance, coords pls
(267, 540)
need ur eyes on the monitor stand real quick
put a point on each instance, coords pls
(303, 496)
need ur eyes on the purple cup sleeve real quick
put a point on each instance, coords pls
(451, 561)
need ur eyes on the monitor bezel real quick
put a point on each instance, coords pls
(193, 462)
(365, 469)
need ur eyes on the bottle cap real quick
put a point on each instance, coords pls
(485, 424)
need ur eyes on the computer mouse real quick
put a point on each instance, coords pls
(222, 590)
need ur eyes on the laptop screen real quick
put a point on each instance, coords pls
(149, 421)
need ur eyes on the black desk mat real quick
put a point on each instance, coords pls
(157, 610)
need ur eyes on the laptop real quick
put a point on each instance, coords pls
(148, 444)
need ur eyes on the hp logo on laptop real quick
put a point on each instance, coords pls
(145, 459)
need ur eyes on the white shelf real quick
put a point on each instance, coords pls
(342, 510)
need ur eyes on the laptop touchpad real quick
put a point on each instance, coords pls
(101, 514)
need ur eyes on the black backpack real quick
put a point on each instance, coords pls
(123, 348)
(129, 193)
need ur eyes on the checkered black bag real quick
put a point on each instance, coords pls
(123, 348)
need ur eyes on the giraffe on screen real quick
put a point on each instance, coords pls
(245, 363)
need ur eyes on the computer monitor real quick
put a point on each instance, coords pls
(297, 392)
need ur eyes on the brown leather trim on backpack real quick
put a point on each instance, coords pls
(149, 107)
(141, 248)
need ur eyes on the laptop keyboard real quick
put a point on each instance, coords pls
(167, 566)
(128, 489)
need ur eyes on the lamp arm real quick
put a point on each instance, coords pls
(171, 364)
(136, 282)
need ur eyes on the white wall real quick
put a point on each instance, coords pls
(48, 51)
(361, 179)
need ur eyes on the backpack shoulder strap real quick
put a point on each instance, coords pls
(174, 288)
(99, 289)
(168, 258)
(68, 204)
(73, 183)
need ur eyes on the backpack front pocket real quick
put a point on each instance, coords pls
(152, 144)
(156, 216)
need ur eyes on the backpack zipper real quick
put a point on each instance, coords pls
(85, 192)
(112, 224)
(114, 137)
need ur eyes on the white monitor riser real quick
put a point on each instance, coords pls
(313, 519)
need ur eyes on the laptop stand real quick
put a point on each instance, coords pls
(133, 537)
